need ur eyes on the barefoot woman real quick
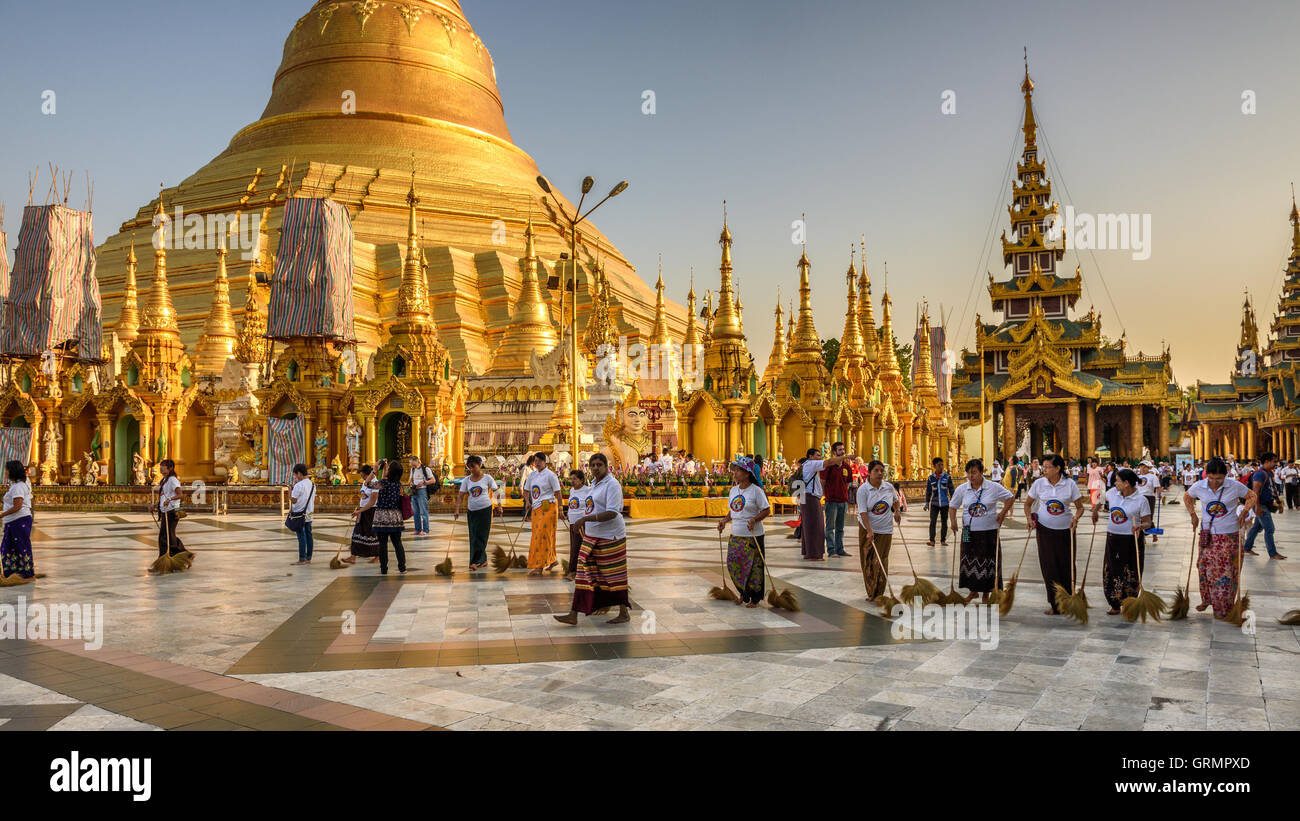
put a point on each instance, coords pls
(1130, 514)
(542, 495)
(745, 551)
(601, 579)
(1218, 530)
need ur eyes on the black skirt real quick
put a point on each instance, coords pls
(981, 572)
(365, 544)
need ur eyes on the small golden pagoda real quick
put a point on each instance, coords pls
(776, 359)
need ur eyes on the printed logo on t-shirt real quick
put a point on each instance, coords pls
(475, 491)
(1055, 507)
(737, 503)
(977, 510)
(537, 492)
(879, 507)
(1216, 508)
(589, 505)
(1118, 516)
(574, 503)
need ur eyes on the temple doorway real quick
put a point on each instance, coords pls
(394, 435)
(126, 441)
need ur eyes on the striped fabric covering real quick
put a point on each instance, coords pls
(4, 277)
(15, 445)
(284, 449)
(311, 292)
(53, 295)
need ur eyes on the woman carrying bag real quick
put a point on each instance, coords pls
(302, 504)
(389, 521)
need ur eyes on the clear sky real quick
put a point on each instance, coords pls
(831, 108)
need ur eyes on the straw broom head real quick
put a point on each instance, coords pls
(923, 589)
(1144, 605)
(784, 599)
(164, 564)
(1292, 617)
(996, 596)
(519, 561)
(500, 561)
(1071, 605)
(564, 565)
(1178, 610)
(1008, 595)
(443, 568)
(886, 603)
(723, 594)
(13, 579)
(1237, 614)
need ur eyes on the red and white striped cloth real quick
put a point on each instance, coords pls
(15, 446)
(311, 292)
(284, 449)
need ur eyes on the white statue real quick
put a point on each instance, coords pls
(49, 363)
(353, 439)
(90, 473)
(51, 439)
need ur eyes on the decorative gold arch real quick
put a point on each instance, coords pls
(15, 395)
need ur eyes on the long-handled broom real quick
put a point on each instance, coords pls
(1076, 604)
(1009, 595)
(997, 594)
(923, 589)
(13, 580)
(784, 599)
(952, 596)
(443, 568)
(169, 562)
(1182, 600)
(501, 561)
(1067, 603)
(1292, 617)
(723, 593)
(1145, 604)
(884, 602)
(1238, 612)
(337, 563)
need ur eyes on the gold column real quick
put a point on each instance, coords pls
(684, 434)
(147, 444)
(174, 439)
(1135, 430)
(1204, 437)
(205, 446)
(1090, 428)
(68, 456)
(308, 433)
(1008, 432)
(369, 455)
(417, 437)
(734, 440)
(323, 423)
(106, 446)
(1072, 429)
(868, 434)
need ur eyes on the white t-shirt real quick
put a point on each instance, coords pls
(577, 502)
(541, 486)
(1125, 511)
(745, 505)
(303, 491)
(690, 467)
(996, 473)
(421, 474)
(877, 504)
(979, 508)
(812, 482)
(1055, 501)
(480, 492)
(666, 462)
(18, 491)
(1219, 504)
(1148, 484)
(607, 494)
(170, 488)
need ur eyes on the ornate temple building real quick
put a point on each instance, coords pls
(1258, 408)
(1041, 372)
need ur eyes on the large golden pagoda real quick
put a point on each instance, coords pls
(418, 85)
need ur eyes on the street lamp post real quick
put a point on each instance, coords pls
(573, 221)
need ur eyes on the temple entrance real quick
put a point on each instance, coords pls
(126, 441)
(760, 438)
(394, 436)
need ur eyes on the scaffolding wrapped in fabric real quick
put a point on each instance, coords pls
(53, 296)
(15, 446)
(284, 448)
(4, 270)
(311, 292)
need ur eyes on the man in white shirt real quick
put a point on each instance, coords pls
(812, 522)
(666, 461)
(601, 577)
(302, 504)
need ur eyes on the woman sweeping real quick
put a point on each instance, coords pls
(169, 505)
(879, 510)
(578, 493)
(1129, 516)
(476, 490)
(1218, 528)
(601, 579)
(388, 523)
(16, 549)
(542, 496)
(746, 551)
(1054, 493)
(365, 544)
(981, 553)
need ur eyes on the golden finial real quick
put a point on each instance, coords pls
(159, 314)
(217, 342)
(128, 320)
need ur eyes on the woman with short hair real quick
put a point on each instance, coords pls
(16, 548)
(169, 505)
(1218, 530)
(879, 510)
(1053, 523)
(302, 500)
(421, 481)
(578, 493)
(476, 490)
(601, 579)
(981, 551)
(1130, 514)
(388, 523)
(541, 491)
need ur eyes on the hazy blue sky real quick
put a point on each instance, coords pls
(832, 108)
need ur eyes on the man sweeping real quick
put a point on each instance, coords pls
(601, 577)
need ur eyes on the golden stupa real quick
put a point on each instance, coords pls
(365, 94)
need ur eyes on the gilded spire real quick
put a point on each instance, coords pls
(692, 331)
(923, 384)
(866, 313)
(217, 342)
(1030, 127)
(726, 322)
(776, 359)
(562, 414)
(665, 356)
(413, 293)
(1295, 225)
(789, 328)
(600, 326)
(888, 360)
(128, 321)
(530, 325)
(159, 314)
(852, 345)
(1249, 328)
(253, 345)
(806, 345)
